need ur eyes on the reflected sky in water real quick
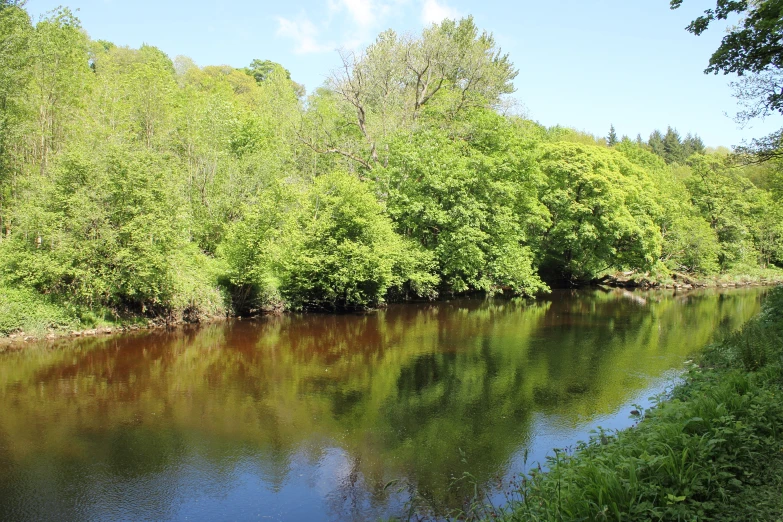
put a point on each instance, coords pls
(335, 417)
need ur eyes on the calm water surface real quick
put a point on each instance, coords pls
(311, 417)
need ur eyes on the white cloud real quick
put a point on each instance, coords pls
(351, 23)
(304, 33)
(363, 12)
(434, 12)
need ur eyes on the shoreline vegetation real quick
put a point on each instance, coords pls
(711, 450)
(138, 188)
(635, 282)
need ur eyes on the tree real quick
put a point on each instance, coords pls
(602, 213)
(692, 144)
(60, 76)
(673, 151)
(444, 73)
(341, 252)
(656, 143)
(753, 49)
(731, 205)
(263, 69)
(473, 204)
(753, 46)
(15, 34)
(611, 139)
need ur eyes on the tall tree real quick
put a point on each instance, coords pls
(61, 74)
(656, 143)
(611, 138)
(449, 70)
(692, 144)
(673, 151)
(15, 32)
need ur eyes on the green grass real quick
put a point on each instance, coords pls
(27, 312)
(711, 451)
(24, 310)
(196, 295)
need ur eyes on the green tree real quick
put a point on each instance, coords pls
(611, 138)
(473, 206)
(15, 34)
(341, 252)
(692, 144)
(449, 70)
(752, 50)
(60, 76)
(263, 69)
(602, 212)
(673, 151)
(730, 204)
(689, 243)
(656, 143)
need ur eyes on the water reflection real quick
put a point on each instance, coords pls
(312, 417)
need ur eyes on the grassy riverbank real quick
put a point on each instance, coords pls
(28, 315)
(713, 451)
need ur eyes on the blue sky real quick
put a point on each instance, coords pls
(581, 64)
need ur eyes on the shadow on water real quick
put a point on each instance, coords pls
(312, 417)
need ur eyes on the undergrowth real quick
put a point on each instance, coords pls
(24, 310)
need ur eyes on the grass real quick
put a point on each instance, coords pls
(24, 310)
(711, 451)
(196, 295)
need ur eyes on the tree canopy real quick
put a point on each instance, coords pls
(133, 184)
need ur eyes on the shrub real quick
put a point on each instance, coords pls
(341, 251)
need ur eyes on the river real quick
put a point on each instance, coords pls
(336, 417)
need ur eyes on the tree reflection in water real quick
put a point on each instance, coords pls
(313, 416)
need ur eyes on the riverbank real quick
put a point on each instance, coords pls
(681, 281)
(26, 316)
(712, 450)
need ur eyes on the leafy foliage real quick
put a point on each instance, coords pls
(332, 248)
(138, 185)
(752, 50)
(474, 210)
(602, 215)
(340, 251)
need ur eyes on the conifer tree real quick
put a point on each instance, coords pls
(673, 151)
(611, 139)
(692, 144)
(656, 143)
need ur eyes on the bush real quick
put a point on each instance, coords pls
(328, 247)
(341, 252)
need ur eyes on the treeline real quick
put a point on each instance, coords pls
(670, 146)
(131, 183)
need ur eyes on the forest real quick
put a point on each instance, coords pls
(137, 185)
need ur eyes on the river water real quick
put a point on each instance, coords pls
(336, 417)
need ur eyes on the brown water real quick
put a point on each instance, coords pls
(334, 417)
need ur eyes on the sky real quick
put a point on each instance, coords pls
(582, 64)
